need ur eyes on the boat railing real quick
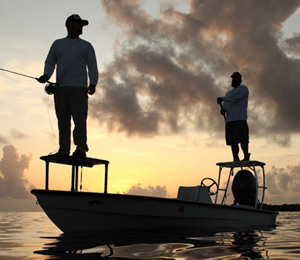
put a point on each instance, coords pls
(242, 165)
(75, 162)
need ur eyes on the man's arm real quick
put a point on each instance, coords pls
(50, 63)
(92, 66)
(92, 70)
(238, 93)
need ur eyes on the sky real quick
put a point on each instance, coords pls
(162, 64)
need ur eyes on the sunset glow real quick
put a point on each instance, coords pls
(154, 116)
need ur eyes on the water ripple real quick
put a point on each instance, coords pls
(32, 236)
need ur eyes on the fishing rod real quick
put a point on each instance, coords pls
(49, 88)
(20, 74)
(223, 109)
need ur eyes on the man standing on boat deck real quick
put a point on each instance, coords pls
(235, 108)
(72, 56)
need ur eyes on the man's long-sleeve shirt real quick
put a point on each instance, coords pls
(74, 59)
(236, 103)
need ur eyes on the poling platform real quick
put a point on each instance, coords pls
(75, 162)
(240, 164)
(250, 165)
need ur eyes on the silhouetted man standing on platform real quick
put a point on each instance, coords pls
(75, 60)
(235, 108)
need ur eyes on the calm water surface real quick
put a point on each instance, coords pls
(31, 235)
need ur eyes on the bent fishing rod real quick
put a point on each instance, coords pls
(49, 88)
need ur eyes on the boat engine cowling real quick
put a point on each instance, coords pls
(244, 188)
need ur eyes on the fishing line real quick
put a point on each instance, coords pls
(54, 140)
(55, 144)
(46, 100)
(49, 91)
(81, 179)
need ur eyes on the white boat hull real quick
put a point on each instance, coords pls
(83, 211)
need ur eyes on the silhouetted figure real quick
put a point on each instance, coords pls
(235, 108)
(75, 61)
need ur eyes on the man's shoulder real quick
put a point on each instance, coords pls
(60, 40)
(245, 88)
(85, 42)
(239, 88)
(66, 40)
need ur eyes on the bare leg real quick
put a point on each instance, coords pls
(245, 149)
(235, 152)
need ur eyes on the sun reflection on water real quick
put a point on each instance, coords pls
(31, 235)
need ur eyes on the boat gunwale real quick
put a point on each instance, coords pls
(140, 197)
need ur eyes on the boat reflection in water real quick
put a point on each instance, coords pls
(149, 244)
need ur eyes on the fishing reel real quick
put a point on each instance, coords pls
(50, 88)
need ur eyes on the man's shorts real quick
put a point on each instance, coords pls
(237, 132)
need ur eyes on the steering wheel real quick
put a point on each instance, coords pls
(211, 184)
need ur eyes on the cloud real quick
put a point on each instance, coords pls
(13, 184)
(158, 191)
(3, 140)
(168, 70)
(283, 180)
(284, 183)
(17, 134)
(292, 45)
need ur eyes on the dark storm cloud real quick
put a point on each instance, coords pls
(169, 70)
(12, 181)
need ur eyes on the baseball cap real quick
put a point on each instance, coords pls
(76, 17)
(236, 74)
